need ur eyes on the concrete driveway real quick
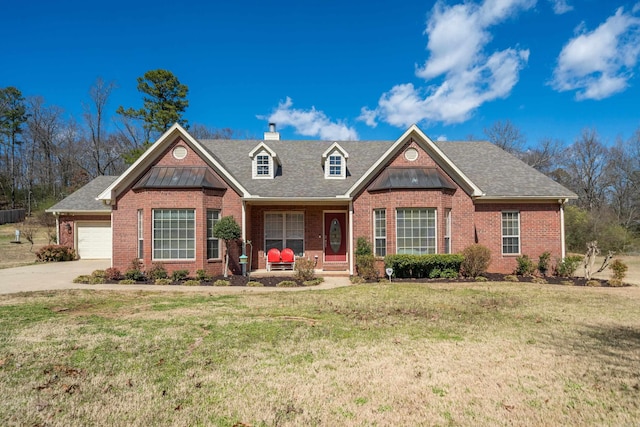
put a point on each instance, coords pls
(60, 275)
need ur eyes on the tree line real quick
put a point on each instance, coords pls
(45, 155)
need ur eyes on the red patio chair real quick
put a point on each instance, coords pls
(288, 256)
(273, 257)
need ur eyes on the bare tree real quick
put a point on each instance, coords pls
(623, 170)
(586, 164)
(506, 136)
(545, 156)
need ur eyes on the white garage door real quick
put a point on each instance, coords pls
(94, 240)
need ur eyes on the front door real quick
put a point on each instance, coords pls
(335, 237)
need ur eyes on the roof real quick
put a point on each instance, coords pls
(411, 178)
(484, 170)
(179, 177)
(84, 199)
(300, 174)
(500, 174)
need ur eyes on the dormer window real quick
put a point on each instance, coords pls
(334, 161)
(264, 163)
(335, 166)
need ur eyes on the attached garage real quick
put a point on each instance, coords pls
(94, 240)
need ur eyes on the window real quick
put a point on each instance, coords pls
(335, 165)
(262, 165)
(380, 232)
(213, 244)
(510, 232)
(140, 234)
(447, 231)
(416, 231)
(173, 234)
(284, 230)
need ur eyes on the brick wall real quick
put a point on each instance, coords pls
(470, 223)
(125, 219)
(67, 233)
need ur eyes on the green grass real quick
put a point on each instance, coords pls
(478, 354)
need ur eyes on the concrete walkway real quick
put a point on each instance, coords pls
(59, 275)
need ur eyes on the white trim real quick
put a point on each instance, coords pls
(351, 255)
(334, 147)
(562, 235)
(435, 213)
(147, 158)
(195, 236)
(502, 235)
(438, 156)
(375, 229)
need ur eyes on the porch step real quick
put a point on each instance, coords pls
(336, 267)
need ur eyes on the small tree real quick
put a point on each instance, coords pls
(228, 230)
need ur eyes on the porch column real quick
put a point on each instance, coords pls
(563, 254)
(351, 269)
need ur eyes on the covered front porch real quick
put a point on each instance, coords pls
(321, 232)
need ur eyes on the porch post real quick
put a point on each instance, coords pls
(562, 228)
(351, 272)
(244, 234)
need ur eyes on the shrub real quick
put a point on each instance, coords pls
(135, 275)
(99, 273)
(179, 275)
(511, 278)
(568, 266)
(97, 280)
(304, 269)
(543, 262)
(84, 278)
(113, 273)
(476, 260)
(157, 271)
(593, 283)
(421, 266)
(481, 279)
(127, 282)
(356, 280)
(618, 269)
(449, 274)
(202, 275)
(221, 282)
(539, 280)
(314, 282)
(55, 253)
(567, 283)
(287, 284)
(254, 284)
(191, 282)
(525, 266)
(363, 247)
(615, 283)
(163, 281)
(366, 267)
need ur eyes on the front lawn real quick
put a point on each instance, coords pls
(380, 354)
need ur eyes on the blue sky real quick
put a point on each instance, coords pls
(338, 69)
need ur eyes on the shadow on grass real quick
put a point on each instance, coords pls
(614, 350)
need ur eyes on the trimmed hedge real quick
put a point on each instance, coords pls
(424, 266)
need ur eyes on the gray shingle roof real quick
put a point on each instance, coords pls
(301, 174)
(498, 173)
(84, 199)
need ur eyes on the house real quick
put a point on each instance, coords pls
(411, 195)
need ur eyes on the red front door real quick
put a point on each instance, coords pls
(335, 237)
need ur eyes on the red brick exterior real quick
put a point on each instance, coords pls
(67, 226)
(471, 221)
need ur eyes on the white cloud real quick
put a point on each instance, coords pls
(560, 6)
(467, 75)
(310, 122)
(599, 64)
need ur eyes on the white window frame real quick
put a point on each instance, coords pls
(140, 234)
(380, 232)
(447, 231)
(284, 237)
(510, 216)
(428, 248)
(211, 240)
(259, 155)
(336, 152)
(174, 235)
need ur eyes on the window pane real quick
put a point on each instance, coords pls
(511, 232)
(416, 231)
(173, 233)
(380, 232)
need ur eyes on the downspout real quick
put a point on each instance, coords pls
(57, 214)
(351, 272)
(562, 236)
